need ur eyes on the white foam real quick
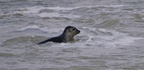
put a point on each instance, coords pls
(114, 40)
(55, 14)
(37, 9)
(58, 8)
(114, 6)
(124, 41)
(27, 27)
(45, 29)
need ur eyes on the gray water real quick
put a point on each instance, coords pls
(111, 38)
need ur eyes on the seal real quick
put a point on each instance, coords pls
(67, 36)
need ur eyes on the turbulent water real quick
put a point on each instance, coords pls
(111, 38)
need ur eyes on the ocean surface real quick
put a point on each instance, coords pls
(111, 38)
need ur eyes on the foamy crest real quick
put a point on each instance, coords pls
(36, 11)
(27, 27)
(42, 28)
(57, 15)
(110, 40)
(35, 27)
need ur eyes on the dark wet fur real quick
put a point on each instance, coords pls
(58, 39)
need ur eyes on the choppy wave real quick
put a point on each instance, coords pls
(109, 38)
(111, 34)
(37, 9)
(96, 37)
(89, 46)
(58, 11)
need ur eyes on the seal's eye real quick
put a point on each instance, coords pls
(73, 29)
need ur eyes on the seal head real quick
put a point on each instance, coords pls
(67, 35)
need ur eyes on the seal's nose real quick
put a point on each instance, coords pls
(78, 31)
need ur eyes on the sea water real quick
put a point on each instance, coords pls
(111, 37)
